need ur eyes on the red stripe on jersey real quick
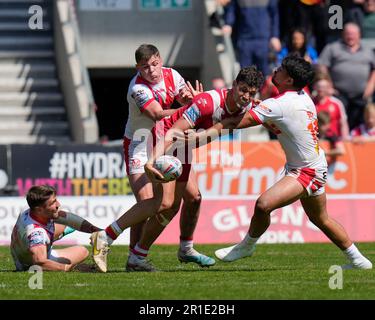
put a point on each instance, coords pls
(169, 87)
(255, 116)
(147, 104)
(140, 80)
(222, 94)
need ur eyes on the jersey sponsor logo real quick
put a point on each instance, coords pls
(140, 97)
(202, 101)
(193, 113)
(36, 237)
(160, 95)
(135, 163)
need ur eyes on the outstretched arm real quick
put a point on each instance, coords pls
(206, 136)
(76, 222)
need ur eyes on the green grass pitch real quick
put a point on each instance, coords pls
(279, 271)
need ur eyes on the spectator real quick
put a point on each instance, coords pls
(324, 101)
(365, 132)
(352, 68)
(368, 22)
(297, 43)
(254, 26)
(335, 145)
(364, 16)
(321, 72)
(217, 16)
(309, 15)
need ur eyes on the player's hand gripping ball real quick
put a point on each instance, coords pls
(169, 166)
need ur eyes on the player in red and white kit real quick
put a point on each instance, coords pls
(292, 117)
(206, 109)
(39, 226)
(150, 96)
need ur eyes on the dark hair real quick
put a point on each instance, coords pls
(37, 195)
(145, 52)
(251, 76)
(289, 45)
(299, 70)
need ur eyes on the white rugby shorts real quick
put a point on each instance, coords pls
(312, 179)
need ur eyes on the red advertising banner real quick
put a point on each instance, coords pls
(223, 169)
(224, 219)
(227, 221)
(250, 168)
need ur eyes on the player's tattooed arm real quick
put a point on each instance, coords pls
(76, 222)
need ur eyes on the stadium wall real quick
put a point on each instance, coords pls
(176, 29)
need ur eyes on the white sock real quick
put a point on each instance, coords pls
(249, 240)
(353, 253)
(186, 245)
(140, 252)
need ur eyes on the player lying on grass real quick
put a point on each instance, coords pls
(206, 109)
(39, 226)
(292, 117)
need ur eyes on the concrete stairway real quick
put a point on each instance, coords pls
(31, 104)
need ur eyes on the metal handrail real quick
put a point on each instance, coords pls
(228, 44)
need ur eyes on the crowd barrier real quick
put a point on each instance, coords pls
(91, 181)
(222, 219)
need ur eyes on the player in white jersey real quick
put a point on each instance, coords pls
(292, 117)
(150, 96)
(39, 226)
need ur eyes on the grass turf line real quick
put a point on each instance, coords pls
(278, 271)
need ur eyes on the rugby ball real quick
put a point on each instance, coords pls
(169, 166)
